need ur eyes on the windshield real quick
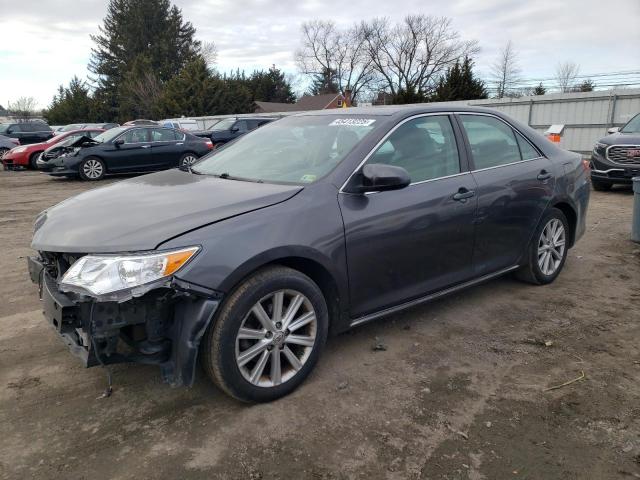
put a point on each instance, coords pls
(73, 126)
(633, 126)
(224, 124)
(110, 134)
(4, 127)
(292, 150)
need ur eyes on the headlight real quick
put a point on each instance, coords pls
(69, 153)
(19, 149)
(101, 274)
(599, 148)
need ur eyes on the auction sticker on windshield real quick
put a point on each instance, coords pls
(354, 122)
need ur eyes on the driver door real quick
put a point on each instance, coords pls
(407, 243)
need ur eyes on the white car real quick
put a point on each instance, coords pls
(186, 124)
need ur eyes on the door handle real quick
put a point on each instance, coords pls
(180, 143)
(544, 175)
(463, 194)
(145, 146)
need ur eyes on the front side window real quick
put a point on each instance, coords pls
(162, 135)
(493, 142)
(241, 125)
(425, 147)
(297, 150)
(136, 135)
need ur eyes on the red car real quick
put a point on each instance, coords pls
(27, 155)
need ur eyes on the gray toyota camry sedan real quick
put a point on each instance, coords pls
(318, 222)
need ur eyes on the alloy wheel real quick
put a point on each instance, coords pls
(276, 338)
(189, 160)
(92, 169)
(551, 246)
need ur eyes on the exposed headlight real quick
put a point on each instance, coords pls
(69, 153)
(102, 274)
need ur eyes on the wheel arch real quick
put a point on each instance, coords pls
(571, 216)
(308, 262)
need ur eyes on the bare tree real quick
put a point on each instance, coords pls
(505, 72)
(209, 52)
(23, 109)
(342, 54)
(411, 55)
(566, 73)
(145, 91)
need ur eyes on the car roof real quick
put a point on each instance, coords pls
(391, 110)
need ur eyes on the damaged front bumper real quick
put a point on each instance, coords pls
(161, 326)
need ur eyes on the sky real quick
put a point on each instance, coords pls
(52, 37)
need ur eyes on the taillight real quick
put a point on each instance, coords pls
(586, 165)
(209, 144)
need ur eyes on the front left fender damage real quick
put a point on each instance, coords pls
(160, 326)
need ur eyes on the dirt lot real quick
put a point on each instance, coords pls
(457, 394)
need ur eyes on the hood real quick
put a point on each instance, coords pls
(621, 139)
(83, 141)
(143, 212)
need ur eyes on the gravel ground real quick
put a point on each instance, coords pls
(457, 394)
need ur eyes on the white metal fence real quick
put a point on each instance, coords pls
(585, 115)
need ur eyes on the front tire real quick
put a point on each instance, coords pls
(268, 335)
(92, 169)
(547, 252)
(33, 160)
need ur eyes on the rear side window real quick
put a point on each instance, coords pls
(425, 147)
(493, 142)
(526, 149)
(162, 135)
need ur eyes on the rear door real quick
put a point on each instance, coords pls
(134, 155)
(515, 185)
(165, 148)
(404, 244)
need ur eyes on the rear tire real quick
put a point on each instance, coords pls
(187, 159)
(601, 186)
(547, 251)
(282, 353)
(92, 169)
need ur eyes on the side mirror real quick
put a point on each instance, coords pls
(9, 130)
(118, 142)
(378, 177)
(234, 129)
(613, 130)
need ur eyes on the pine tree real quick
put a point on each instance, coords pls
(153, 29)
(270, 86)
(459, 83)
(540, 89)
(71, 104)
(325, 82)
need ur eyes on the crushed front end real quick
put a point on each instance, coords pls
(159, 323)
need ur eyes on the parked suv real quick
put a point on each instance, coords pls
(27, 132)
(616, 157)
(312, 224)
(231, 128)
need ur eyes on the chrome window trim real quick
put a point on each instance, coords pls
(628, 145)
(386, 137)
(485, 114)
